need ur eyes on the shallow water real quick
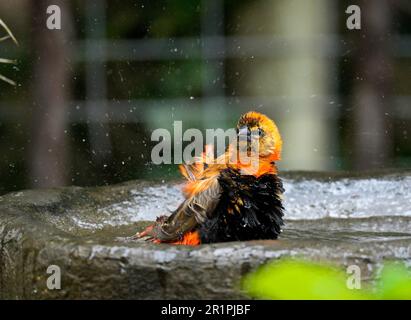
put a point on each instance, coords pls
(348, 198)
(318, 207)
(368, 207)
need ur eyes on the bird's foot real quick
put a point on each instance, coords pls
(146, 235)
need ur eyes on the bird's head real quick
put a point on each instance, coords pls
(257, 132)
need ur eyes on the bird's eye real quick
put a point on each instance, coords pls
(260, 132)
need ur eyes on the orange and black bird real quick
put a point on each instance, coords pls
(227, 199)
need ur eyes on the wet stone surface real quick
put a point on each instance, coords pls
(341, 219)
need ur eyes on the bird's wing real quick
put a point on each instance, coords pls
(192, 212)
(195, 170)
(188, 171)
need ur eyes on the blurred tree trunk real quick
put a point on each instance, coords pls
(48, 147)
(372, 85)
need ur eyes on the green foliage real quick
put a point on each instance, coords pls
(9, 35)
(395, 283)
(303, 280)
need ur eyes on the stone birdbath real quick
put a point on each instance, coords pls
(342, 219)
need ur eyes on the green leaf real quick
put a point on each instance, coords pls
(301, 280)
(9, 81)
(9, 33)
(395, 282)
(3, 60)
(7, 61)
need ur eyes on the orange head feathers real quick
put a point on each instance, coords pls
(259, 125)
(251, 127)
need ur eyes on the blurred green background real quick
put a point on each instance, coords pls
(90, 94)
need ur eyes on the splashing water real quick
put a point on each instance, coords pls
(307, 199)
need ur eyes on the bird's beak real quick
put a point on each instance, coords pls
(244, 134)
(243, 131)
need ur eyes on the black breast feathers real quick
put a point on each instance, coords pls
(250, 208)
